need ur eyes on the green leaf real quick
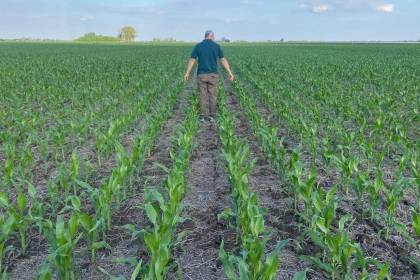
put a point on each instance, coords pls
(75, 202)
(151, 213)
(301, 275)
(31, 190)
(227, 264)
(226, 214)
(21, 201)
(136, 271)
(343, 221)
(4, 199)
(86, 221)
(383, 273)
(73, 224)
(243, 269)
(100, 245)
(84, 185)
(155, 195)
(161, 166)
(320, 222)
(59, 227)
(279, 247)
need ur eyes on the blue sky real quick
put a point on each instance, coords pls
(324, 20)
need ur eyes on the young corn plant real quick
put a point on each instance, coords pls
(25, 213)
(165, 214)
(74, 171)
(392, 196)
(9, 168)
(415, 168)
(7, 224)
(325, 207)
(416, 222)
(343, 258)
(91, 227)
(359, 187)
(294, 174)
(63, 238)
(348, 165)
(375, 189)
(252, 263)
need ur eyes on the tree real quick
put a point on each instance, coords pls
(93, 37)
(127, 33)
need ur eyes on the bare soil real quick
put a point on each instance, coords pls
(207, 196)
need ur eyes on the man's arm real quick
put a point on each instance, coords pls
(190, 66)
(226, 65)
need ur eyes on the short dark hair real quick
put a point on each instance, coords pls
(208, 33)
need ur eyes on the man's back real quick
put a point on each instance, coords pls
(207, 52)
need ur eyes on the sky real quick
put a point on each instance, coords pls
(313, 20)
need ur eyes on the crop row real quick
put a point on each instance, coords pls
(50, 109)
(341, 258)
(74, 222)
(366, 180)
(164, 208)
(251, 263)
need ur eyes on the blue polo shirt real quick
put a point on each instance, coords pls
(207, 52)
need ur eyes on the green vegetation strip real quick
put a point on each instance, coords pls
(164, 208)
(64, 98)
(252, 262)
(361, 133)
(342, 258)
(63, 234)
(361, 162)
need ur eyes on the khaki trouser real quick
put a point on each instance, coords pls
(207, 84)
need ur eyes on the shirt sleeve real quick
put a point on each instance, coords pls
(221, 54)
(194, 53)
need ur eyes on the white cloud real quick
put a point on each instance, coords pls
(385, 8)
(350, 6)
(229, 20)
(315, 8)
(87, 18)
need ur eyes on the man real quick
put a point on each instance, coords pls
(207, 52)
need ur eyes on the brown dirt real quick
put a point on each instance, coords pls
(207, 196)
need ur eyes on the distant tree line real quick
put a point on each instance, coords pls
(164, 40)
(126, 34)
(93, 37)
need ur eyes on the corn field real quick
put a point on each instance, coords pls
(310, 171)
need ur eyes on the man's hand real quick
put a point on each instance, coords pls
(226, 65)
(231, 77)
(190, 66)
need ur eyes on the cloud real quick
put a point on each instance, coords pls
(229, 20)
(349, 6)
(315, 8)
(385, 8)
(87, 18)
